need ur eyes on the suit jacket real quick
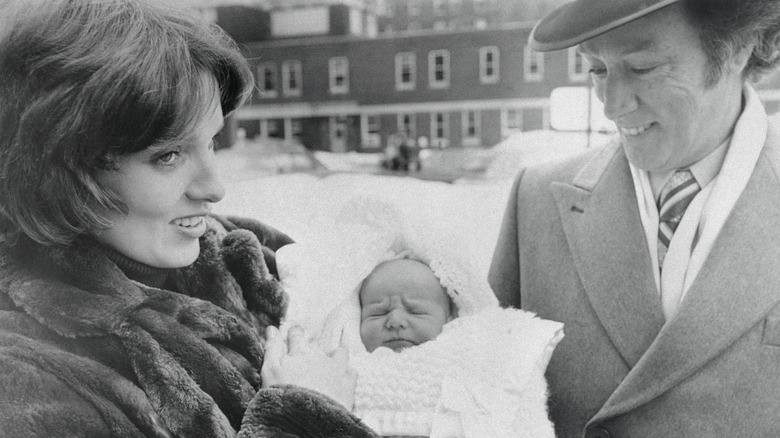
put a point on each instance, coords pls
(572, 249)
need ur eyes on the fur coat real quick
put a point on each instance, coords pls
(84, 351)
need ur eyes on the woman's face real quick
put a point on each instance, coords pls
(167, 188)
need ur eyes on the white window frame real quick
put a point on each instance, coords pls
(436, 141)
(296, 129)
(411, 132)
(408, 59)
(574, 75)
(294, 67)
(471, 140)
(530, 57)
(506, 128)
(262, 68)
(439, 7)
(371, 137)
(445, 82)
(338, 65)
(484, 77)
(413, 8)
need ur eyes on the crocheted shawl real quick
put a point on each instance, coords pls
(482, 377)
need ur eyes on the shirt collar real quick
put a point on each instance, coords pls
(704, 170)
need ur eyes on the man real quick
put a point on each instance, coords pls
(661, 252)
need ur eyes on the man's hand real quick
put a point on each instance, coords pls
(298, 363)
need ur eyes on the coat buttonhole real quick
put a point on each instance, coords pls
(577, 209)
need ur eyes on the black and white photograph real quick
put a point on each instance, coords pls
(390, 218)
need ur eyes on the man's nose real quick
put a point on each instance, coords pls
(618, 96)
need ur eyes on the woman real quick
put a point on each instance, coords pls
(126, 309)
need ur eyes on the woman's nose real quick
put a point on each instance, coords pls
(207, 184)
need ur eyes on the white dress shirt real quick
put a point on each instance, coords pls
(722, 176)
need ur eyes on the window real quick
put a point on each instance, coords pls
(511, 121)
(483, 5)
(413, 25)
(266, 75)
(439, 69)
(439, 7)
(338, 68)
(489, 65)
(454, 6)
(296, 129)
(370, 127)
(440, 130)
(407, 125)
(578, 66)
(533, 65)
(440, 25)
(413, 8)
(471, 122)
(275, 128)
(405, 71)
(291, 78)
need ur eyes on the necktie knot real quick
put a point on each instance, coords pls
(675, 197)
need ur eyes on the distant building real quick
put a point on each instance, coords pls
(352, 75)
(413, 15)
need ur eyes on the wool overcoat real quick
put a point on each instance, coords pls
(572, 248)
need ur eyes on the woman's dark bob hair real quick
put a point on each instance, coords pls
(84, 81)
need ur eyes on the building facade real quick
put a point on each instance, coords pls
(355, 75)
(460, 88)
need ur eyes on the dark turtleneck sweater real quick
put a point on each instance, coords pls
(137, 271)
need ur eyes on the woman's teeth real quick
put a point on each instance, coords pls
(192, 221)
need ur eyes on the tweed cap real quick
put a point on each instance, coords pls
(581, 20)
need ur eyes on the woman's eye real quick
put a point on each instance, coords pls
(168, 158)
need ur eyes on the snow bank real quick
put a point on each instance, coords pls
(299, 203)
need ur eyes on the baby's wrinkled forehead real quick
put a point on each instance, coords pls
(410, 278)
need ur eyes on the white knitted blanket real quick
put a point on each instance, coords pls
(483, 376)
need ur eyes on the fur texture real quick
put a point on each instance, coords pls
(84, 351)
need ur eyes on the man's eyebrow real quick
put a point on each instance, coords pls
(638, 46)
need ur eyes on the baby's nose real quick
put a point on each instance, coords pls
(396, 319)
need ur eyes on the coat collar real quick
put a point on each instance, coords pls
(604, 231)
(748, 244)
(602, 225)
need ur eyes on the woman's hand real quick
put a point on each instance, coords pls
(297, 363)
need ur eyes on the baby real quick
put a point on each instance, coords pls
(402, 304)
(434, 352)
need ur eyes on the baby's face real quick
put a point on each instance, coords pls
(402, 304)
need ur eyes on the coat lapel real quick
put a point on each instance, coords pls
(605, 235)
(748, 244)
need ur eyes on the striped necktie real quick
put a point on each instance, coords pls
(676, 194)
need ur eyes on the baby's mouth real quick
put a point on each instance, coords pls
(398, 344)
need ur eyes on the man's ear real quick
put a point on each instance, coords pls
(740, 59)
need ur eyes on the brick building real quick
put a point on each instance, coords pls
(348, 75)
(458, 88)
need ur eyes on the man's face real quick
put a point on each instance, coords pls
(650, 75)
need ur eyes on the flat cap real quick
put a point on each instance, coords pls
(582, 20)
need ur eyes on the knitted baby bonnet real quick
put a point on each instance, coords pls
(323, 275)
(483, 376)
